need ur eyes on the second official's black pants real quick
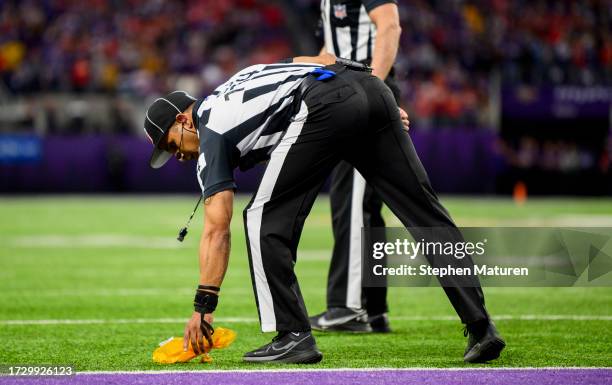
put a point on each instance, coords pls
(352, 117)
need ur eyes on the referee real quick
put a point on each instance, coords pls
(303, 117)
(367, 31)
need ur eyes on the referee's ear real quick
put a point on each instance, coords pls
(181, 118)
(184, 118)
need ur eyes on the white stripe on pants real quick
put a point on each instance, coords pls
(353, 290)
(255, 213)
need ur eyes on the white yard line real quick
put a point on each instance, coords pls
(517, 317)
(119, 321)
(125, 292)
(504, 317)
(574, 220)
(121, 241)
(118, 292)
(140, 372)
(92, 240)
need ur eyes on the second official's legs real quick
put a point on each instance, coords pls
(354, 205)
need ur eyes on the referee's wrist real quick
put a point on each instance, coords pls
(206, 299)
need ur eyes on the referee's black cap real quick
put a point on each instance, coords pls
(160, 116)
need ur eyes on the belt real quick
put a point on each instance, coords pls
(354, 65)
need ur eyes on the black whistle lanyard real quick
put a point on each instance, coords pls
(183, 232)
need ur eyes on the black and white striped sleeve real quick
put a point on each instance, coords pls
(215, 166)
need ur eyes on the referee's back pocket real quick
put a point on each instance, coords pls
(337, 95)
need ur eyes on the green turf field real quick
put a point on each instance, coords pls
(114, 263)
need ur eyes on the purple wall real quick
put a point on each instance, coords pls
(458, 160)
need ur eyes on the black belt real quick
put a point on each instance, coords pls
(354, 65)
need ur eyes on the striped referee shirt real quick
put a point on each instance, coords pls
(348, 30)
(242, 121)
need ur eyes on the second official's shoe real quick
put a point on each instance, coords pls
(379, 323)
(484, 343)
(341, 319)
(289, 348)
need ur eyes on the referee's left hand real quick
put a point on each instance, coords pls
(404, 117)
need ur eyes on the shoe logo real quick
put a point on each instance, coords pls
(337, 321)
(289, 345)
(295, 334)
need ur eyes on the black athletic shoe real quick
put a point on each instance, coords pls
(379, 323)
(484, 343)
(287, 347)
(341, 319)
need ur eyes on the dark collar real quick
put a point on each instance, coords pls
(194, 114)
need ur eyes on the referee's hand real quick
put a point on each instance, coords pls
(324, 59)
(194, 333)
(404, 117)
(327, 58)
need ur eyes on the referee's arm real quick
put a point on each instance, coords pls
(214, 256)
(388, 30)
(324, 58)
(215, 240)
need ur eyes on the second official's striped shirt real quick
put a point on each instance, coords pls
(243, 120)
(348, 30)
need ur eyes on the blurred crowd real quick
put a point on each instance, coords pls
(455, 54)
(139, 47)
(552, 155)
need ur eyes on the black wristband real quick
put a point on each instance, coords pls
(207, 287)
(205, 302)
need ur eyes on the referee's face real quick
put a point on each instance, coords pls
(181, 140)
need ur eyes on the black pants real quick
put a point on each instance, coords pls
(354, 204)
(352, 117)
